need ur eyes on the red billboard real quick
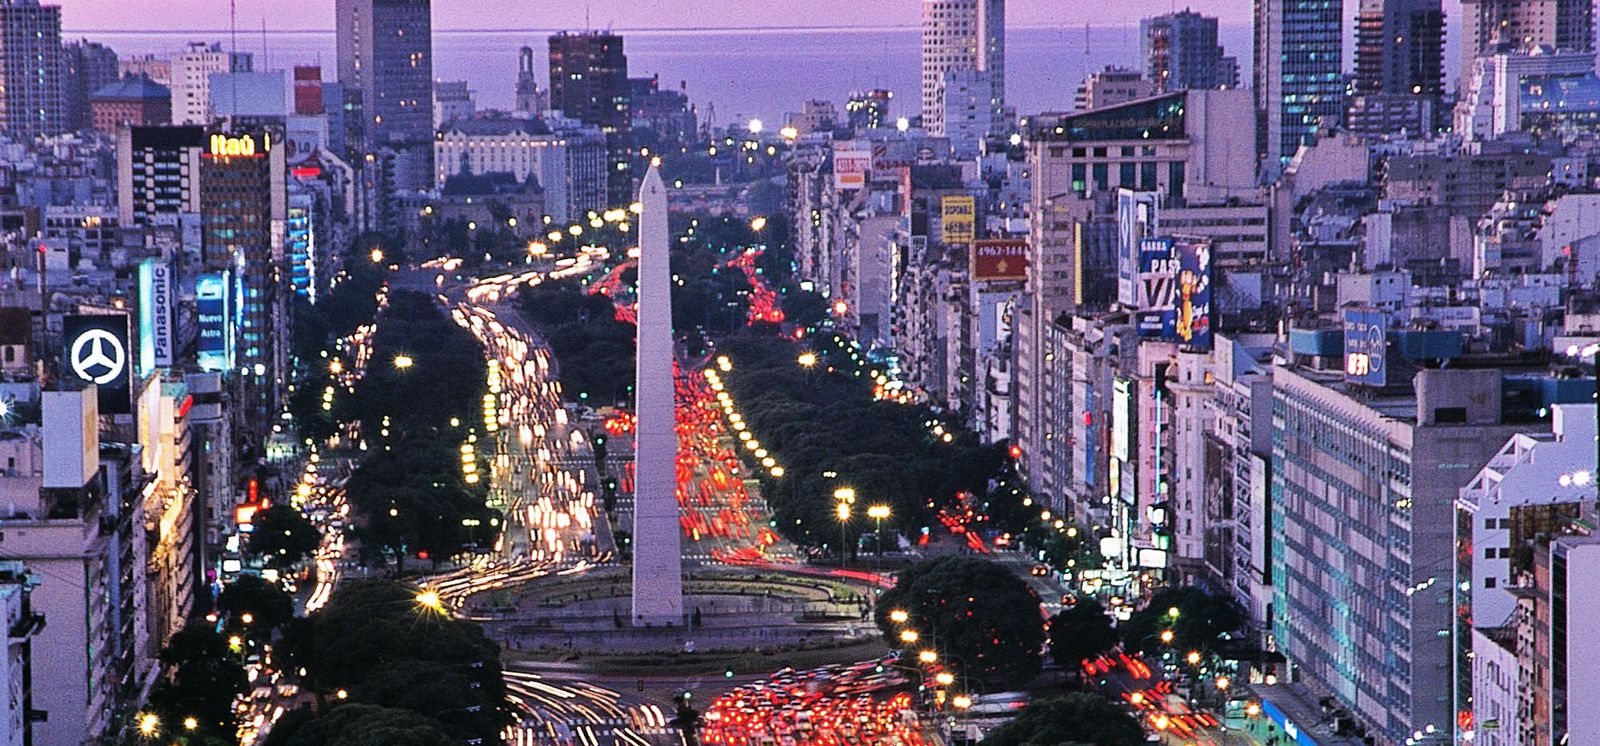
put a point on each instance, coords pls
(1000, 259)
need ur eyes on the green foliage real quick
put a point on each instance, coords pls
(415, 496)
(1080, 631)
(206, 677)
(1073, 720)
(1203, 621)
(370, 725)
(283, 536)
(815, 422)
(446, 378)
(375, 641)
(268, 605)
(975, 612)
(593, 350)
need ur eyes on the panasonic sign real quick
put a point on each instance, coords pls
(156, 339)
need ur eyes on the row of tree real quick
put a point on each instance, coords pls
(387, 669)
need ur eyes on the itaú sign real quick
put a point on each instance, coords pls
(241, 146)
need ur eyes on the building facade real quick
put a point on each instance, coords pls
(191, 73)
(589, 83)
(1180, 51)
(1299, 74)
(34, 102)
(963, 35)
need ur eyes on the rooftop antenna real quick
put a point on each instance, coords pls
(266, 61)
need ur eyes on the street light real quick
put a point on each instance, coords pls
(808, 359)
(1193, 657)
(842, 511)
(908, 635)
(944, 678)
(899, 616)
(928, 656)
(148, 723)
(403, 361)
(961, 701)
(429, 599)
(190, 723)
(1166, 636)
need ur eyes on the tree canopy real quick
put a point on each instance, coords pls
(1202, 622)
(1073, 720)
(975, 612)
(282, 536)
(1080, 631)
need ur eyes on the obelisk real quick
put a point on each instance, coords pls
(657, 556)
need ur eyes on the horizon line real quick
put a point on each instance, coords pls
(551, 30)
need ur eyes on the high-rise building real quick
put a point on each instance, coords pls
(1399, 66)
(452, 100)
(1299, 78)
(1363, 486)
(89, 68)
(1489, 26)
(589, 83)
(1180, 50)
(1111, 86)
(34, 100)
(385, 50)
(867, 110)
(962, 35)
(191, 79)
(158, 174)
(243, 206)
(530, 98)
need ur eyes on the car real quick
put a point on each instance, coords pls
(1040, 571)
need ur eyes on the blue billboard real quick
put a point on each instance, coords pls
(211, 296)
(1366, 347)
(1174, 291)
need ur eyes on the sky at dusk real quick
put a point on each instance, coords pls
(157, 15)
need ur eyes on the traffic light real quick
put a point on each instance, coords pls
(727, 673)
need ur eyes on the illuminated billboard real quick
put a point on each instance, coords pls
(216, 330)
(156, 337)
(1000, 259)
(1366, 343)
(850, 167)
(94, 349)
(1174, 291)
(958, 220)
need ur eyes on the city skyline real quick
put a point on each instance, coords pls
(317, 15)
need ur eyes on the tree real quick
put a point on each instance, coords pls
(369, 626)
(283, 536)
(268, 605)
(1202, 624)
(1080, 631)
(206, 677)
(370, 725)
(430, 687)
(1073, 720)
(975, 612)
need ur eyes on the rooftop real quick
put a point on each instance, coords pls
(132, 88)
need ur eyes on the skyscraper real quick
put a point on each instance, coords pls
(529, 97)
(88, 68)
(589, 83)
(191, 79)
(385, 51)
(1299, 82)
(1488, 25)
(1399, 66)
(34, 101)
(963, 35)
(1180, 50)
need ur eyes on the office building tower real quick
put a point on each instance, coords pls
(158, 174)
(1299, 78)
(452, 100)
(530, 98)
(308, 98)
(89, 68)
(962, 35)
(1180, 50)
(867, 110)
(589, 83)
(1489, 26)
(1111, 86)
(191, 79)
(77, 519)
(385, 50)
(1399, 66)
(1363, 487)
(244, 205)
(33, 102)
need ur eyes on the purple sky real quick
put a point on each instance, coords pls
(158, 15)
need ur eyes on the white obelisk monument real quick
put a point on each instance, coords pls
(657, 556)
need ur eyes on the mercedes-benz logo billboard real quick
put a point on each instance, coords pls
(95, 350)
